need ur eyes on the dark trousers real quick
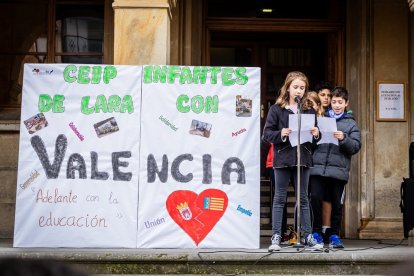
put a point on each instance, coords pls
(282, 178)
(271, 173)
(326, 189)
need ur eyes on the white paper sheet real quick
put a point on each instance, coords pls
(307, 122)
(327, 126)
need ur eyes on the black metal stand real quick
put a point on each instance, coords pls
(298, 244)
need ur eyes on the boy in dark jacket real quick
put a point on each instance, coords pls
(331, 164)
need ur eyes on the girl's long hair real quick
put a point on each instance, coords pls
(283, 99)
(312, 95)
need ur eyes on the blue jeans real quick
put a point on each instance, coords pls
(282, 177)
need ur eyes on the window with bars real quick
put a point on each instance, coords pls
(45, 31)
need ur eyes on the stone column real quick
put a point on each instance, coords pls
(387, 149)
(142, 31)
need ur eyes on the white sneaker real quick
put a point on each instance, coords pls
(275, 246)
(312, 243)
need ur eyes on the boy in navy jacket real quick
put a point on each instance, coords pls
(331, 165)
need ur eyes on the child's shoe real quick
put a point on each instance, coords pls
(312, 243)
(275, 246)
(335, 242)
(285, 239)
(318, 238)
(292, 238)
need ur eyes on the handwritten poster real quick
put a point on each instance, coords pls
(78, 156)
(139, 157)
(200, 164)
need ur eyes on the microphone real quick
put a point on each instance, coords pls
(297, 99)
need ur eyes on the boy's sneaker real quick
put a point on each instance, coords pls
(275, 246)
(335, 242)
(318, 238)
(312, 243)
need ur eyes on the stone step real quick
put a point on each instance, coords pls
(360, 258)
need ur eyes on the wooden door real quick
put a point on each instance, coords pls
(277, 53)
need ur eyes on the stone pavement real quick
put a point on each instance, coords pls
(361, 257)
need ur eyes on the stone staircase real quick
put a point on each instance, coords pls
(360, 257)
(266, 203)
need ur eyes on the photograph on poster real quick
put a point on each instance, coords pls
(200, 128)
(243, 107)
(35, 123)
(106, 127)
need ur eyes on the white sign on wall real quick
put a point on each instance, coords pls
(391, 101)
(101, 167)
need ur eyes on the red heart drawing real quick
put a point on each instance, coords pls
(197, 214)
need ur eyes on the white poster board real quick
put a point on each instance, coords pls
(101, 167)
(78, 164)
(200, 163)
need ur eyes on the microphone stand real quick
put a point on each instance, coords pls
(298, 244)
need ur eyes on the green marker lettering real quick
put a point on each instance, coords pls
(185, 76)
(173, 73)
(160, 74)
(58, 104)
(226, 76)
(45, 103)
(109, 73)
(180, 106)
(242, 78)
(101, 104)
(211, 104)
(148, 74)
(96, 74)
(214, 71)
(127, 104)
(85, 106)
(67, 73)
(113, 103)
(83, 75)
(197, 104)
(200, 74)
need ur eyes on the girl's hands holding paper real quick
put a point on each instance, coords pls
(285, 132)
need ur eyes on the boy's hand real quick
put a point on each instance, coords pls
(339, 135)
(315, 131)
(285, 132)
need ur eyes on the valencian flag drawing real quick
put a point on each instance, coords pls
(197, 214)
